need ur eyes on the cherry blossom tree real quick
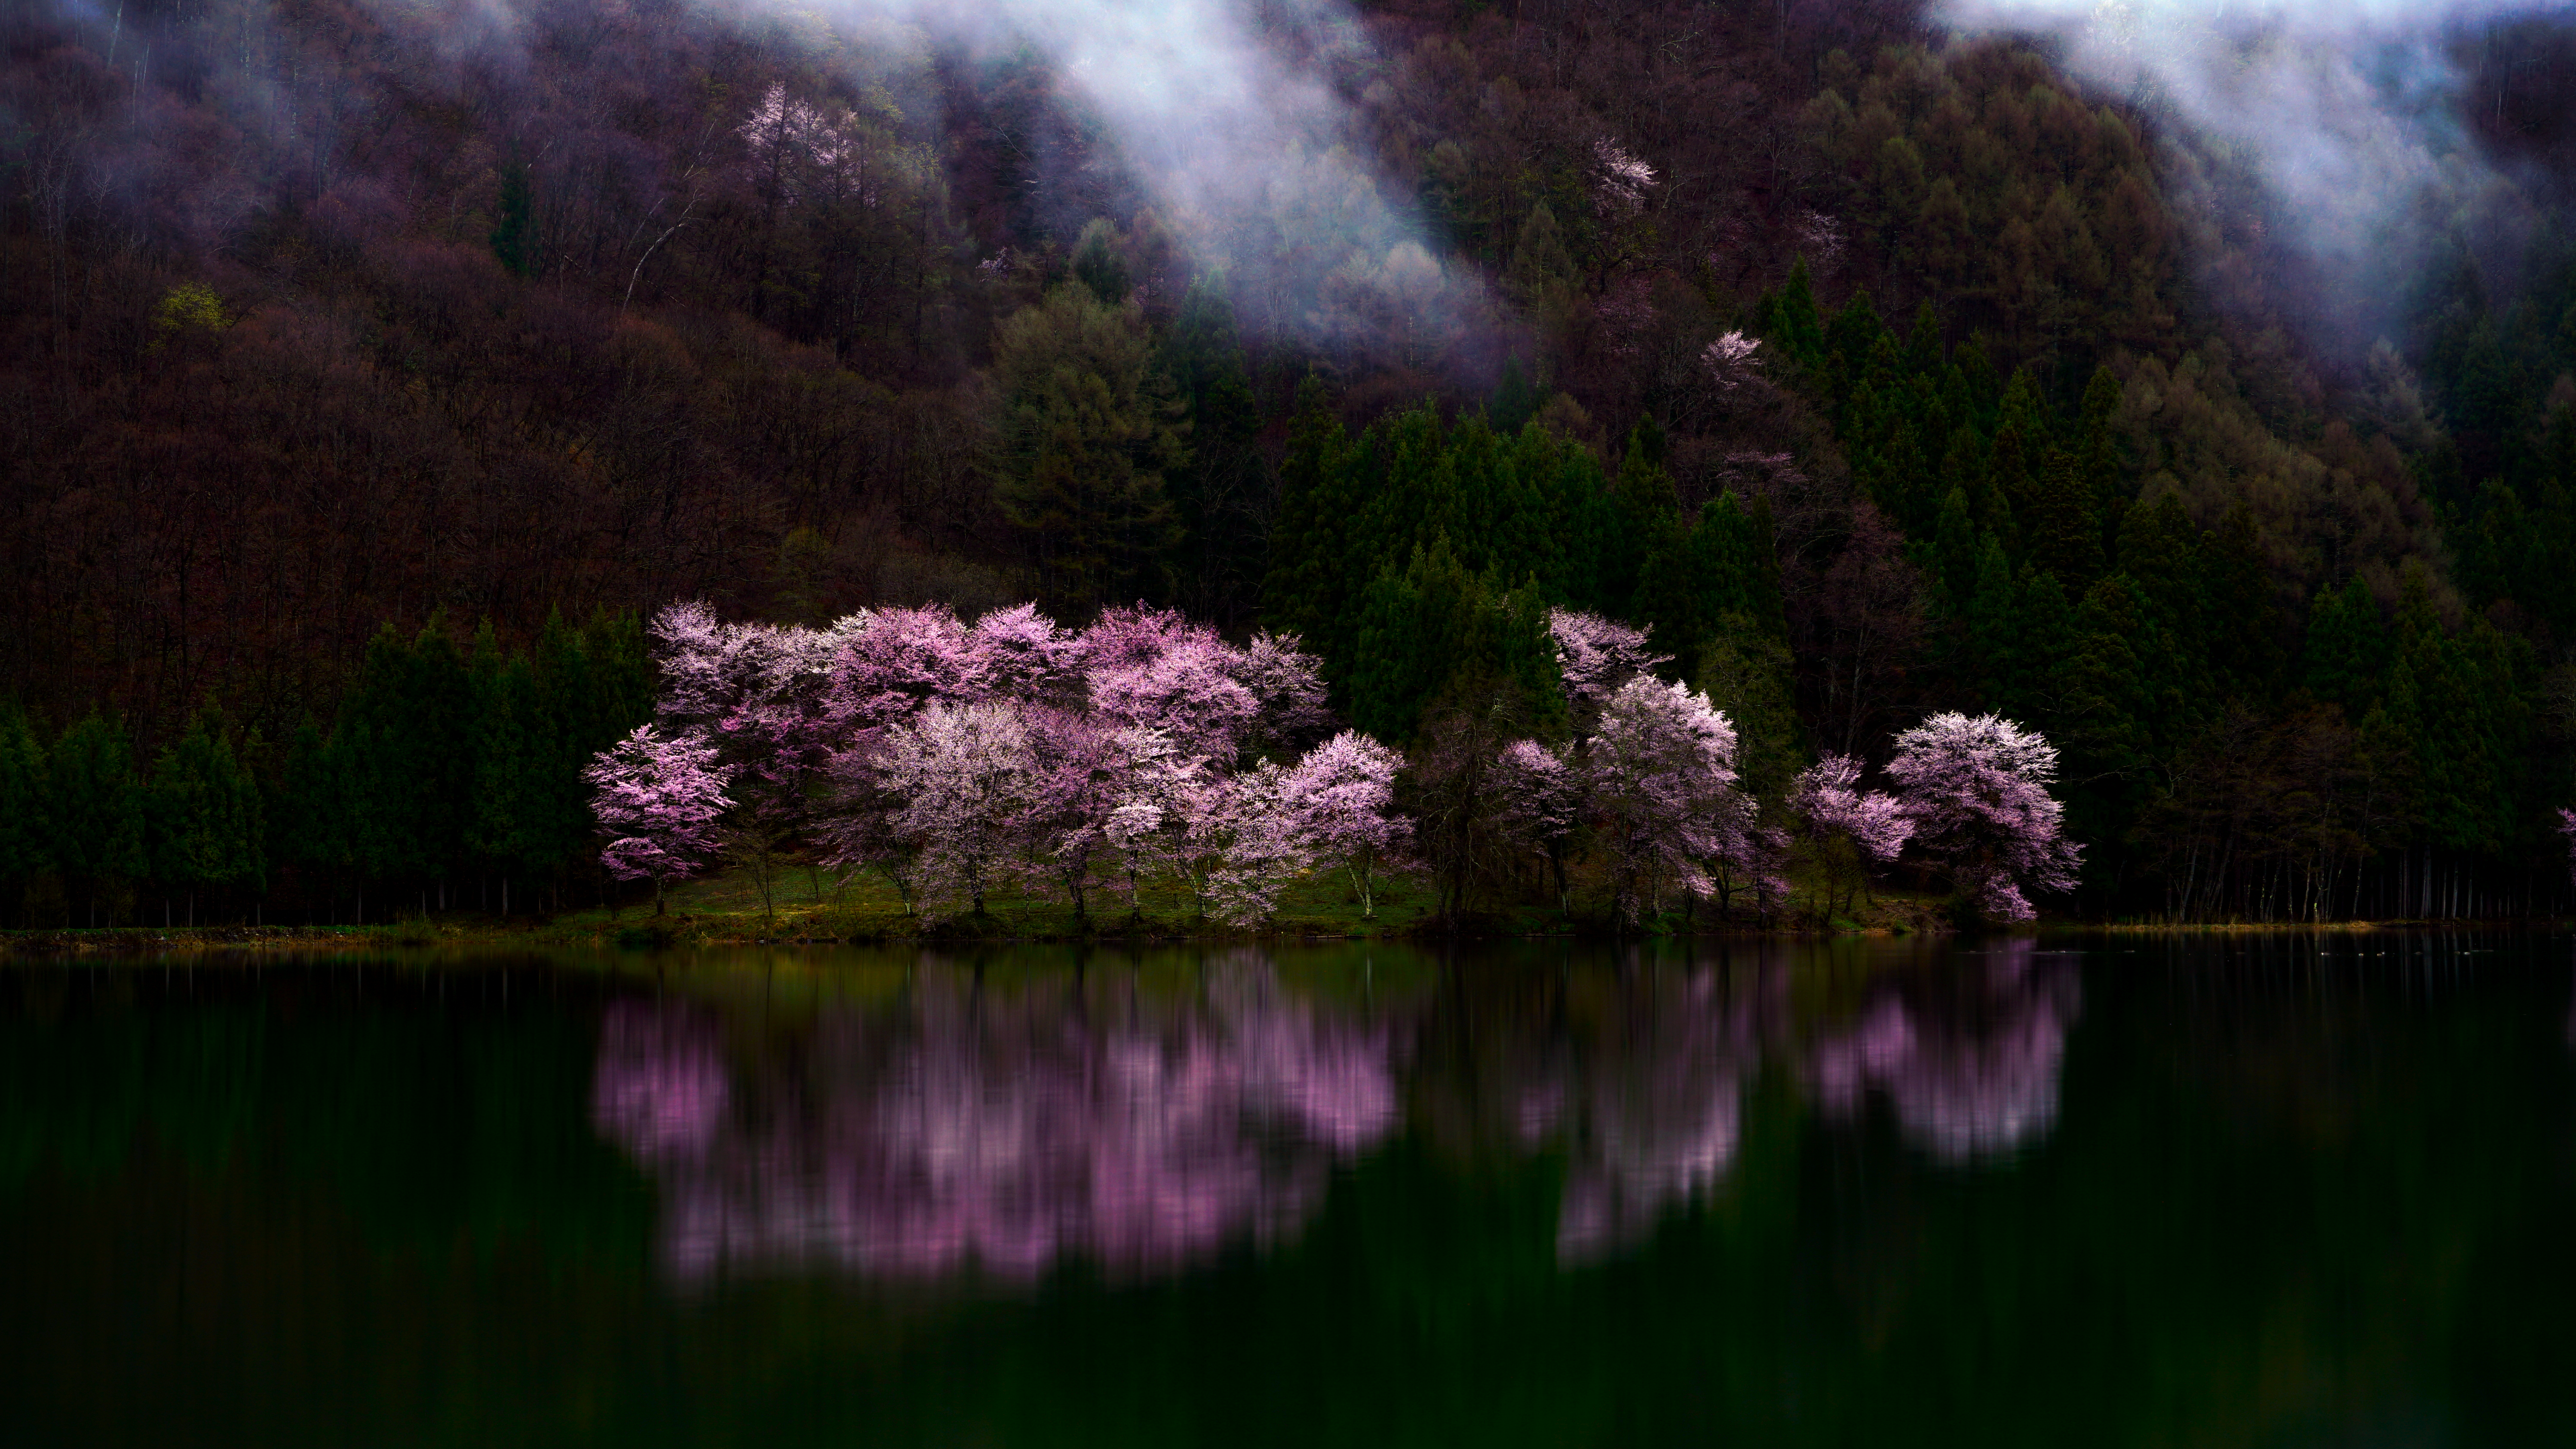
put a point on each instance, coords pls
(899, 661)
(965, 777)
(1017, 652)
(1159, 792)
(1287, 686)
(1341, 799)
(1188, 691)
(1076, 787)
(1541, 795)
(1976, 789)
(1661, 770)
(1247, 842)
(659, 797)
(1595, 657)
(1845, 826)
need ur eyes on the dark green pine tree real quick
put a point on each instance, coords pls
(512, 763)
(1314, 582)
(2098, 458)
(1216, 496)
(1515, 401)
(1436, 632)
(2043, 648)
(204, 813)
(440, 730)
(1789, 321)
(622, 676)
(375, 744)
(2242, 620)
(1957, 550)
(2160, 552)
(308, 816)
(1645, 516)
(1579, 516)
(1994, 619)
(94, 804)
(1097, 263)
(1413, 630)
(26, 844)
(2061, 531)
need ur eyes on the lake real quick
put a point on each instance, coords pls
(2263, 1190)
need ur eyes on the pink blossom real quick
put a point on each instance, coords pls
(1246, 844)
(1976, 790)
(1542, 804)
(659, 796)
(1018, 652)
(1342, 804)
(1187, 691)
(1732, 360)
(1624, 180)
(1595, 657)
(1287, 687)
(965, 777)
(1075, 788)
(1825, 798)
(1661, 772)
(900, 660)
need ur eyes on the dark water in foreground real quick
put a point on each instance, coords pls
(2278, 1191)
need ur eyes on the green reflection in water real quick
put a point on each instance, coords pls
(2282, 1191)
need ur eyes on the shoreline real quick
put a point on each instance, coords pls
(725, 931)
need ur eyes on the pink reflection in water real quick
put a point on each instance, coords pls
(1002, 1135)
(1967, 1084)
(1650, 1120)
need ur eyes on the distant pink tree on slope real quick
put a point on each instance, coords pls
(659, 796)
(1977, 791)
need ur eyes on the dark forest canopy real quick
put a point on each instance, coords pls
(1879, 373)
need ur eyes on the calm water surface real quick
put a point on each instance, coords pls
(2274, 1191)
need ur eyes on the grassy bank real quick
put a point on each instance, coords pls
(812, 907)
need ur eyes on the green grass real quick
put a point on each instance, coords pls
(811, 906)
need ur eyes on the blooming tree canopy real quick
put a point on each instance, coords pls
(965, 777)
(1246, 843)
(1661, 768)
(1825, 797)
(1595, 657)
(1976, 790)
(659, 796)
(1342, 800)
(1541, 796)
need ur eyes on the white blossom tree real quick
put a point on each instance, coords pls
(1977, 791)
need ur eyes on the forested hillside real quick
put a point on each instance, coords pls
(372, 371)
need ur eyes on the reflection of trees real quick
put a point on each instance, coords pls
(1640, 1077)
(1000, 1130)
(1644, 1094)
(1968, 1082)
(1007, 1129)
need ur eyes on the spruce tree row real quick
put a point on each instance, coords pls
(1419, 560)
(2151, 650)
(450, 776)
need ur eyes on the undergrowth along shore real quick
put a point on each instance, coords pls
(809, 909)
